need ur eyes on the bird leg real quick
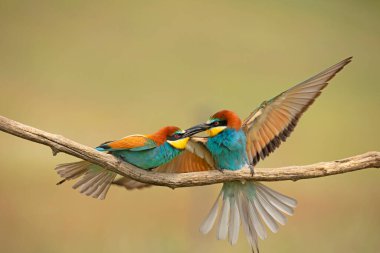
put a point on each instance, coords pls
(252, 169)
(120, 159)
(220, 169)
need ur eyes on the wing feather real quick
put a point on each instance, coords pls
(131, 142)
(275, 119)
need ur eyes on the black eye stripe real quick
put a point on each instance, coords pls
(219, 123)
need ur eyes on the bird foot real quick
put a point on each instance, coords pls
(220, 169)
(120, 160)
(252, 169)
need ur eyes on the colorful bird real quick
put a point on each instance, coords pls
(230, 145)
(235, 145)
(147, 152)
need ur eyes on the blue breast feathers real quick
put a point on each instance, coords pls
(228, 149)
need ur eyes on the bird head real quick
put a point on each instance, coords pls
(176, 137)
(217, 123)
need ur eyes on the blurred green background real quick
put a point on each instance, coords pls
(96, 70)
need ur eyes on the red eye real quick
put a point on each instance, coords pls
(216, 123)
(177, 136)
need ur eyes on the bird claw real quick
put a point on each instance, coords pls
(252, 169)
(220, 169)
(120, 160)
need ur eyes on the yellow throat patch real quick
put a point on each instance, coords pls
(179, 144)
(215, 130)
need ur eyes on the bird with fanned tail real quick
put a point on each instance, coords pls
(231, 145)
(163, 151)
(234, 145)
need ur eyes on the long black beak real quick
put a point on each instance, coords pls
(196, 129)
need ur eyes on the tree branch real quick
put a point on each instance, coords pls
(61, 144)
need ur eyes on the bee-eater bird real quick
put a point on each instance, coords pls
(234, 145)
(154, 151)
(231, 145)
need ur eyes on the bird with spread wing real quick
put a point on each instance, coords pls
(231, 145)
(234, 145)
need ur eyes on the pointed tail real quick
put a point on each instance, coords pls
(95, 180)
(251, 204)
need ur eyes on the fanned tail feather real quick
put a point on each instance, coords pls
(208, 223)
(72, 170)
(250, 232)
(251, 204)
(95, 180)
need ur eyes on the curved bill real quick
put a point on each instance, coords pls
(196, 129)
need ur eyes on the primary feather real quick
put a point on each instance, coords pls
(271, 123)
(262, 132)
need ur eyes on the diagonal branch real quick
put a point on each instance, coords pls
(59, 143)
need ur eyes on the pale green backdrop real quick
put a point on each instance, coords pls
(99, 70)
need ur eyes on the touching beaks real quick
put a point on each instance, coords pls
(196, 129)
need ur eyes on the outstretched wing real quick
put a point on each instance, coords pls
(131, 142)
(274, 120)
(195, 157)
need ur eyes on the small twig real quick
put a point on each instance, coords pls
(61, 144)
